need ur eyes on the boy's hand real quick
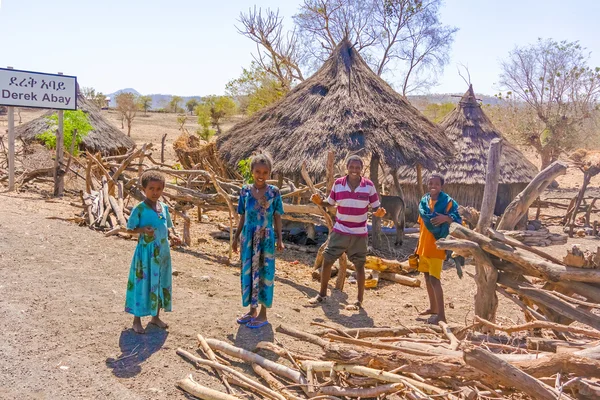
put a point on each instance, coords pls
(280, 245)
(148, 230)
(315, 198)
(440, 219)
(234, 245)
(380, 213)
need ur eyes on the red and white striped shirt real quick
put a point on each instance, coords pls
(351, 217)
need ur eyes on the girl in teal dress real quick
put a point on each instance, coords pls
(260, 207)
(149, 285)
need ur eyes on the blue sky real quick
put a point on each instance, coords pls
(191, 47)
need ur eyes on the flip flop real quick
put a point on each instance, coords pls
(316, 301)
(244, 319)
(259, 325)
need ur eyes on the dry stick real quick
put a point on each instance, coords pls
(248, 356)
(232, 213)
(273, 382)
(515, 243)
(326, 366)
(520, 205)
(261, 389)
(88, 207)
(371, 392)
(508, 375)
(202, 392)
(339, 331)
(571, 299)
(390, 332)
(454, 343)
(100, 166)
(162, 149)
(526, 309)
(541, 324)
(281, 352)
(289, 355)
(423, 351)
(589, 211)
(211, 356)
(310, 338)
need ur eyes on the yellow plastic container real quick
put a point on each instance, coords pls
(413, 261)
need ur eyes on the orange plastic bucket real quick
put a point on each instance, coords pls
(413, 261)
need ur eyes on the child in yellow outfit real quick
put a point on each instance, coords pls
(436, 211)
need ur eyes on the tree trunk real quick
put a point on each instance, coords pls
(519, 207)
(546, 154)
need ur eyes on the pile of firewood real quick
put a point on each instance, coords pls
(541, 237)
(418, 362)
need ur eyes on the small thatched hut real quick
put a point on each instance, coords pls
(104, 138)
(471, 132)
(345, 108)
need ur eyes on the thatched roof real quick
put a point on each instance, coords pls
(471, 132)
(104, 138)
(344, 107)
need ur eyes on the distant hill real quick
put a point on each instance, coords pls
(158, 100)
(419, 101)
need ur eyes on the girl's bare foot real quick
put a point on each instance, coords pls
(157, 321)
(137, 326)
(428, 312)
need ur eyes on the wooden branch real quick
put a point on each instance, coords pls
(553, 302)
(117, 210)
(541, 325)
(325, 366)
(274, 383)
(420, 350)
(251, 357)
(529, 264)
(211, 356)
(261, 389)
(363, 393)
(509, 375)
(402, 279)
(89, 184)
(202, 392)
(520, 205)
(310, 338)
(281, 352)
(454, 342)
(499, 236)
(490, 190)
(361, 333)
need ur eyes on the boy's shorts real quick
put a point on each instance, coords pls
(353, 245)
(433, 266)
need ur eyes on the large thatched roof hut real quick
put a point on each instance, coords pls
(471, 132)
(104, 138)
(345, 108)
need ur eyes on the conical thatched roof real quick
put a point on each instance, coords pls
(344, 107)
(471, 132)
(104, 138)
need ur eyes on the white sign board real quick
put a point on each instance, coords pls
(38, 90)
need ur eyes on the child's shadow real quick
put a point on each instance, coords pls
(135, 349)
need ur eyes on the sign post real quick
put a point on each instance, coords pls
(11, 147)
(37, 90)
(59, 177)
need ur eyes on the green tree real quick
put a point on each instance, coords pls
(203, 113)
(436, 112)
(145, 103)
(191, 105)
(219, 108)
(127, 106)
(175, 104)
(554, 82)
(98, 98)
(72, 120)
(255, 89)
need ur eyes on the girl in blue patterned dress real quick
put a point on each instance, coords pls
(260, 207)
(149, 285)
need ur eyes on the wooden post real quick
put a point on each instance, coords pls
(519, 207)
(490, 191)
(59, 177)
(586, 180)
(374, 175)
(420, 181)
(162, 149)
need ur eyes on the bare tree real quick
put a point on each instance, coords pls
(554, 81)
(127, 106)
(277, 53)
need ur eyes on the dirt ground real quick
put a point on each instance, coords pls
(66, 336)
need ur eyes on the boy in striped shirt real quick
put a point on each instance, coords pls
(353, 195)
